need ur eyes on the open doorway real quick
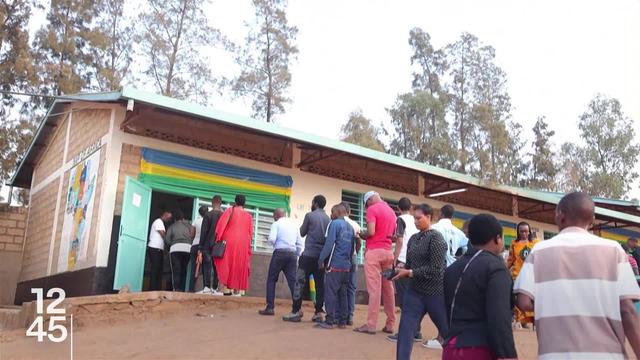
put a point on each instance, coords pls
(161, 202)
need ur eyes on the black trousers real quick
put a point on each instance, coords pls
(307, 266)
(179, 261)
(207, 269)
(155, 268)
(337, 286)
(281, 261)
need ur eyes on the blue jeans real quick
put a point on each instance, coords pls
(414, 307)
(285, 261)
(353, 284)
(336, 286)
(401, 287)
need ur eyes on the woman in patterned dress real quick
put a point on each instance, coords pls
(518, 252)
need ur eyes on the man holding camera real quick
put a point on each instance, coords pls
(381, 226)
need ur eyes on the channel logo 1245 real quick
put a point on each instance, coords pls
(57, 332)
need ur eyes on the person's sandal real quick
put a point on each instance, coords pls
(387, 331)
(364, 329)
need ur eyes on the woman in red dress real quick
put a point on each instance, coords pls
(236, 228)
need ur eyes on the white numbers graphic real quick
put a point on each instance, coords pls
(56, 322)
(51, 309)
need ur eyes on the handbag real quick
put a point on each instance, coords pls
(219, 247)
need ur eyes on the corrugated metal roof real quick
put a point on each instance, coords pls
(185, 107)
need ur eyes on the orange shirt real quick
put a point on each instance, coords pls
(518, 253)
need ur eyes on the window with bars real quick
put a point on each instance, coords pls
(262, 220)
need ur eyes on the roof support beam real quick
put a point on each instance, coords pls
(514, 206)
(317, 156)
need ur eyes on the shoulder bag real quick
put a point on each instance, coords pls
(219, 247)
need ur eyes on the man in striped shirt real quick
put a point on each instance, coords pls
(581, 288)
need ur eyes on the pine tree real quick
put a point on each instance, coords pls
(174, 31)
(543, 166)
(113, 55)
(65, 46)
(265, 59)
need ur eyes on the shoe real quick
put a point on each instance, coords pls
(293, 317)
(364, 329)
(342, 326)
(433, 344)
(266, 312)
(236, 294)
(318, 317)
(215, 292)
(387, 330)
(206, 290)
(323, 325)
(418, 337)
(350, 320)
(392, 338)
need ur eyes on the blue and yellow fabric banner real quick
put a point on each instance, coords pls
(189, 176)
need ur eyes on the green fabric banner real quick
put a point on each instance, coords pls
(205, 190)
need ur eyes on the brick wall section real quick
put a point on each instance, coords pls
(51, 158)
(129, 166)
(12, 226)
(35, 258)
(87, 127)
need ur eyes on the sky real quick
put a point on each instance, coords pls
(355, 55)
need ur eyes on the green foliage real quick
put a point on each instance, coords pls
(173, 32)
(360, 131)
(543, 166)
(611, 152)
(265, 59)
(64, 46)
(113, 53)
(420, 130)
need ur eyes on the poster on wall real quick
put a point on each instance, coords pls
(78, 212)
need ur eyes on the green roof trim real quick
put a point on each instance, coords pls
(185, 107)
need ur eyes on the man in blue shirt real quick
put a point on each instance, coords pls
(336, 258)
(287, 244)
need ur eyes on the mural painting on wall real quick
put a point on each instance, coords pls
(78, 212)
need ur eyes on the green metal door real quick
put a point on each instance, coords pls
(132, 243)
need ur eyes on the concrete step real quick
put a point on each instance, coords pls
(11, 318)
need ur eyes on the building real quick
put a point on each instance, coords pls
(103, 165)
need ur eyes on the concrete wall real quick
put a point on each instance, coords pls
(12, 229)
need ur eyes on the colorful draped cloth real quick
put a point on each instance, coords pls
(237, 230)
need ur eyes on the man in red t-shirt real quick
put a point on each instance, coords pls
(381, 225)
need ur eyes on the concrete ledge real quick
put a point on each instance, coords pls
(105, 310)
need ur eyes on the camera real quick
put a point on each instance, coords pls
(389, 274)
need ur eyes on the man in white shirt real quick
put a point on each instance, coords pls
(288, 245)
(405, 229)
(453, 236)
(155, 250)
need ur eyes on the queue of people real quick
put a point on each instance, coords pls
(581, 287)
(218, 246)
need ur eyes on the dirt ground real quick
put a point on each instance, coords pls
(225, 334)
